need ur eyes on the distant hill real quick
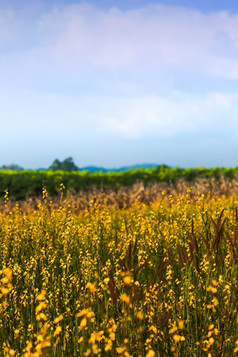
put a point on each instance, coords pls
(123, 168)
(88, 168)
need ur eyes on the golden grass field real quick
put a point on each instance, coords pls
(147, 279)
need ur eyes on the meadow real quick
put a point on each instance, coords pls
(144, 279)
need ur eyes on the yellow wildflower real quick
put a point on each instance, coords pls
(127, 280)
(212, 289)
(58, 319)
(83, 323)
(57, 330)
(125, 298)
(181, 324)
(120, 350)
(140, 315)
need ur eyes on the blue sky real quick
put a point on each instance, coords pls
(114, 83)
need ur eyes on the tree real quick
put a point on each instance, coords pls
(66, 165)
(11, 167)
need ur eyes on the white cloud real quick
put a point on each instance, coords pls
(156, 35)
(6, 26)
(74, 37)
(32, 114)
(81, 44)
(168, 117)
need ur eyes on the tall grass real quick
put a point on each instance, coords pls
(125, 196)
(149, 280)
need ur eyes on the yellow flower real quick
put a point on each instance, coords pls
(173, 329)
(211, 340)
(95, 349)
(153, 328)
(8, 273)
(139, 315)
(215, 301)
(58, 319)
(106, 281)
(125, 298)
(181, 324)
(120, 350)
(83, 323)
(91, 287)
(214, 282)
(4, 280)
(108, 345)
(90, 314)
(4, 291)
(178, 338)
(212, 289)
(87, 353)
(126, 354)
(41, 316)
(41, 296)
(150, 353)
(45, 344)
(127, 280)
(57, 330)
(114, 327)
(41, 306)
(112, 336)
(82, 312)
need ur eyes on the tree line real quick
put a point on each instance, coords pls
(30, 182)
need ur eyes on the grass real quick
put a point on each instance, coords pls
(124, 196)
(156, 279)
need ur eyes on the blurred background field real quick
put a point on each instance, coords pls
(114, 187)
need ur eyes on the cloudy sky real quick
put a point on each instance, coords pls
(119, 82)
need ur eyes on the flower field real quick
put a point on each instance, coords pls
(148, 280)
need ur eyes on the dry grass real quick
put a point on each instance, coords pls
(126, 196)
